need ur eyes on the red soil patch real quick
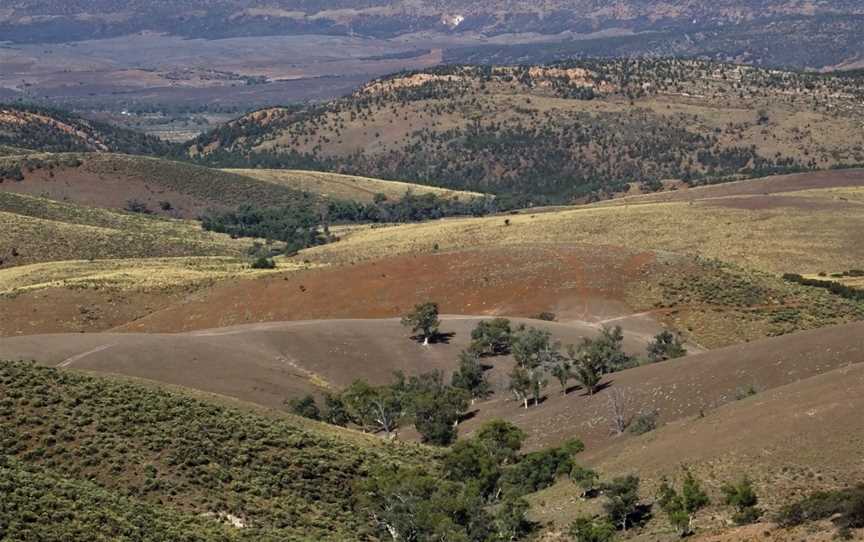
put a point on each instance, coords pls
(576, 283)
(62, 310)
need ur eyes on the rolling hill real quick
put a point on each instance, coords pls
(679, 260)
(41, 230)
(78, 448)
(801, 415)
(348, 187)
(162, 187)
(563, 131)
(52, 130)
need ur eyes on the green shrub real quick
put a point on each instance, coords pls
(263, 263)
(844, 507)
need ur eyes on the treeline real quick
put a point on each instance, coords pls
(298, 226)
(836, 288)
(304, 225)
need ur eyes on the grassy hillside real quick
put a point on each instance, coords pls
(347, 187)
(562, 131)
(779, 231)
(172, 457)
(41, 230)
(52, 130)
(164, 187)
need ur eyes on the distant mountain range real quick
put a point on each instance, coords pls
(802, 33)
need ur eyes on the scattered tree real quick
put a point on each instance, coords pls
(744, 499)
(622, 500)
(423, 321)
(435, 407)
(592, 530)
(470, 376)
(527, 384)
(588, 370)
(666, 345)
(378, 408)
(681, 507)
(534, 352)
(510, 522)
(619, 410)
(563, 372)
(492, 337)
(502, 439)
(334, 411)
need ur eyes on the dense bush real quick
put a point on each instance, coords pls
(286, 481)
(844, 507)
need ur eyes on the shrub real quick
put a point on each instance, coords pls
(264, 262)
(744, 499)
(845, 508)
(591, 530)
(135, 206)
(666, 345)
(306, 407)
(644, 423)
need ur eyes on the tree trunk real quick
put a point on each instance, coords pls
(525, 401)
(426, 340)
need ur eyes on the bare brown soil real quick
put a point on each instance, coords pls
(269, 363)
(576, 283)
(790, 440)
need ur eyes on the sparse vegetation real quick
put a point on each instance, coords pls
(845, 508)
(743, 498)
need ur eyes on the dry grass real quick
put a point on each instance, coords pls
(39, 230)
(347, 187)
(776, 240)
(147, 275)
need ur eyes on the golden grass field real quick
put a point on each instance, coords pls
(347, 187)
(801, 232)
(38, 230)
(138, 274)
